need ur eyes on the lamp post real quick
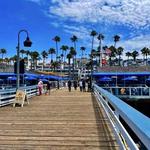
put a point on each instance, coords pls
(27, 43)
(91, 79)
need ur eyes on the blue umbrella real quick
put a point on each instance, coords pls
(148, 79)
(11, 78)
(44, 80)
(132, 78)
(30, 78)
(1, 80)
(105, 79)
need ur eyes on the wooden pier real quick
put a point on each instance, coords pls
(60, 121)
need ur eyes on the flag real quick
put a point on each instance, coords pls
(104, 62)
(108, 51)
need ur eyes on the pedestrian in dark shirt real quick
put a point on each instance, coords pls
(75, 84)
(48, 88)
(83, 85)
(89, 86)
(69, 86)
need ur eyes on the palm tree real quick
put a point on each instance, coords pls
(22, 51)
(128, 54)
(14, 58)
(7, 60)
(93, 34)
(55, 65)
(112, 54)
(100, 38)
(57, 39)
(27, 54)
(51, 51)
(134, 54)
(119, 52)
(44, 55)
(73, 53)
(69, 56)
(3, 51)
(74, 39)
(145, 52)
(34, 57)
(82, 50)
(116, 39)
(64, 49)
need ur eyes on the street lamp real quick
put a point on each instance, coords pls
(27, 43)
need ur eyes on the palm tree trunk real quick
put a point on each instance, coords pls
(56, 51)
(146, 59)
(27, 61)
(69, 68)
(110, 61)
(73, 66)
(92, 42)
(115, 44)
(119, 60)
(43, 65)
(128, 61)
(100, 53)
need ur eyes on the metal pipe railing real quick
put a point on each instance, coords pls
(138, 123)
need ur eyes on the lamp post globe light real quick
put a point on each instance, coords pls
(27, 43)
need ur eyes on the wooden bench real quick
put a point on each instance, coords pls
(20, 98)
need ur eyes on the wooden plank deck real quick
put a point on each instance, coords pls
(60, 121)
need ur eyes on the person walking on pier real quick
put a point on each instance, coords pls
(40, 87)
(80, 85)
(75, 84)
(69, 86)
(83, 86)
(48, 88)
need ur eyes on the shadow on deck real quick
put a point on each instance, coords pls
(60, 121)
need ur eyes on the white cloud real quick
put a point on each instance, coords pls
(133, 13)
(136, 43)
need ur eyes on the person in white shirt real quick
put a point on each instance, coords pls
(80, 85)
(40, 87)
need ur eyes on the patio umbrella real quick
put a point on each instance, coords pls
(107, 79)
(44, 80)
(132, 78)
(30, 78)
(12, 78)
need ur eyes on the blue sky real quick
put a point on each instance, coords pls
(45, 19)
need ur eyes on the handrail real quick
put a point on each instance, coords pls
(138, 123)
(8, 96)
(130, 92)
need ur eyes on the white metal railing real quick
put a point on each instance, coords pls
(130, 92)
(116, 109)
(7, 96)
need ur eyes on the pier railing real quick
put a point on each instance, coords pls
(132, 128)
(7, 96)
(134, 93)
